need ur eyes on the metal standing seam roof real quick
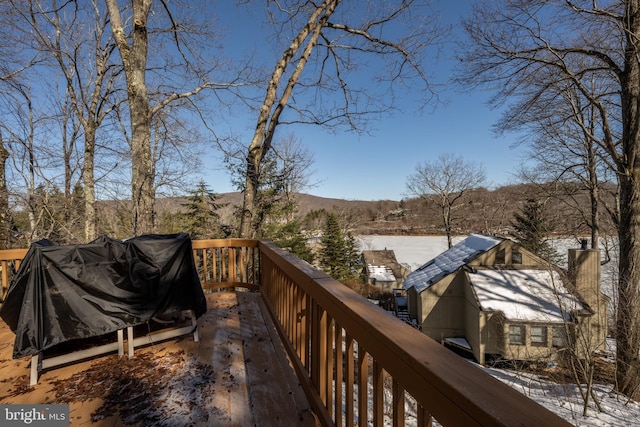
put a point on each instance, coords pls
(449, 261)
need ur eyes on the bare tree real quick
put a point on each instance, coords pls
(337, 37)
(134, 61)
(175, 157)
(132, 36)
(25, 128)
(7, 73)
(286, 171)
(5, 213)
(573, 44)
(27, 120)
(82, 54)
(493, 210)
(445, 181)
(563, 129)
(296, 161)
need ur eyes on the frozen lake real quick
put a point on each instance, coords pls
(414, 251)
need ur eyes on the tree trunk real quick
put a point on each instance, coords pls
(247, 229)
(273, 106)
(134, 61)
(88, 180)
(142, 190)
(446, 205)
(446, 217)
(628, 314)
(5, 215)
(594, 197)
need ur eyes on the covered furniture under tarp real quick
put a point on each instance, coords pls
(63, 293)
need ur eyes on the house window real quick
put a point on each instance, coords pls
(539, 336)
(559, 339)
(516, 257)
(516, 334)
(500, 257)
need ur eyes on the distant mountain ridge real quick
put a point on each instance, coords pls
(483, 211)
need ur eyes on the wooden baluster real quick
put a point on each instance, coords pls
(349, 380)
(363, 385)
(378, 394)
(398, 404)
(339, 378)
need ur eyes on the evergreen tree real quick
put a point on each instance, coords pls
(353, 257)
(332, 247)
(171, 222)
(201, 220)
(531, 228)
(289, 236)
(339, 256)
(276, 207)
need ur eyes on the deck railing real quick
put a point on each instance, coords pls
(10, 260)
(358, 364)
(227, 263)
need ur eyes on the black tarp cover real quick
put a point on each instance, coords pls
(62, 293)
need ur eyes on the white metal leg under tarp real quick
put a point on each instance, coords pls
(155, 337)
(38, 363)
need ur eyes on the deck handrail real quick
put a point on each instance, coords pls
(10, 260)
(316, 315)
(353, 357)
(221, 263)
(227, 263)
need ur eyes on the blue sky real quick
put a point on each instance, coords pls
(376, 166)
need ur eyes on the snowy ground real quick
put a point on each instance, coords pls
(563, 399)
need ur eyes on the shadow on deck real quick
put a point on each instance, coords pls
(238, 374)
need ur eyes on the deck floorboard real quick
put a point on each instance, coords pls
(254, 385)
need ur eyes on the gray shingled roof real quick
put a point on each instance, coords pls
(449, 261)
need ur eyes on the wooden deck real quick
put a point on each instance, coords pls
(249, 382)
